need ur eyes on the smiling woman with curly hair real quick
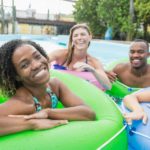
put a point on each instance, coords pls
(25, 78)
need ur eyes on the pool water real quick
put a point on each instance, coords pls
(105, 51)
(108, 52)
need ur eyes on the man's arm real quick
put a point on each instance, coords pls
(132, 102)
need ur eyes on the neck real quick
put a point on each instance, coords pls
(78, 55)
(37, 91)
(79, 51)
(78, 58)
(139, 71)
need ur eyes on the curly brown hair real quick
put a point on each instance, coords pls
(8, 82)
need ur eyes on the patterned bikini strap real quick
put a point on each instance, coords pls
(54, 99)
(37, 104)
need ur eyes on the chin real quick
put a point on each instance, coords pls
(136, 67)
(42, 80)
(46, 80)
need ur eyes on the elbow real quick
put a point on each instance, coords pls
(108, 86)
(2, 134)
(90, 115)
(127, 99)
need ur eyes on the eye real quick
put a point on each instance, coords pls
(141, 51)
(75, 35)
(38, 56)
(83, 34)
(131, 52)
(24, 65)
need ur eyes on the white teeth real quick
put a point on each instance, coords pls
(136, 60)
(81, 42)
(40, 73)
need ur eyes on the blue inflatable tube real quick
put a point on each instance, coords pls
(138, 133)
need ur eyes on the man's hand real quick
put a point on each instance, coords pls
(111, 75)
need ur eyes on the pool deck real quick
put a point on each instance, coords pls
(115, 41)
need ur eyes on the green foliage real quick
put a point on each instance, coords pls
(143, 10)
(100, 14)
(85, 11)
(115, 13)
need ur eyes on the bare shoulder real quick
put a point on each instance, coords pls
(55, 85)
(18, 104)
(54, 82)
(58, 86)
(93, 61)
(121, 67)
(92, 58)
(22, 96)
(57, 54)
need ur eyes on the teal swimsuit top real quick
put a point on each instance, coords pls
(54, 100)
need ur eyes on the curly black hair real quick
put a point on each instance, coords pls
(8, 82)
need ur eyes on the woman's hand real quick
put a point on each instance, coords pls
(40, 121)
(136, 115)
(81, 66)
(43, 114)
(41, 124)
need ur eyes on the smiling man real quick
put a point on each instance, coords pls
(135, 73)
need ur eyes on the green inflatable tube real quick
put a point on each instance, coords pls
(106, 132)
(119, 90)
(2, 98)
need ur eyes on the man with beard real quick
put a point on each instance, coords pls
(135, 73)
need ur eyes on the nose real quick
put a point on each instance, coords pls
(79, 36)
(35, 64)
(136, 54)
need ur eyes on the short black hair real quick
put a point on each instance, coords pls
(144, 41)
(8, 82)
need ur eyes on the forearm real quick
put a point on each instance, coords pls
(72, 113)
(132, 103)
(104, 81)
(10, 125)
